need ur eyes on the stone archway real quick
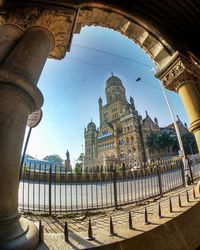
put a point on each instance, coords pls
(31, 32)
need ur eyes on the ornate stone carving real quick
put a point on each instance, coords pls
(58, 22)
(179, 72)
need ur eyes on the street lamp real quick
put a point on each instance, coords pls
(184, 157)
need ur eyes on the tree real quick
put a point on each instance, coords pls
(79, 164)
(162, 142)
(54, 159)
(78, 168)
(189, 143)
(153, 141)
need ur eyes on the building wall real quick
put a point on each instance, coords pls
(120, 140)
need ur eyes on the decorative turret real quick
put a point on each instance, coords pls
(91, 126)
(115, 90)
(156, 121)
(100, 111)
(100, 102)
(90, 141)
(132, 103)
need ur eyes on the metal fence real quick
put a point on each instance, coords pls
(52, 190)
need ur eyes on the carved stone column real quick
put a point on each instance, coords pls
(20, 70)
(183, 77)
(9, 35)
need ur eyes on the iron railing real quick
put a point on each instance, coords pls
(54, 190)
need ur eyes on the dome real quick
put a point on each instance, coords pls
(91, 125)
(113, 81)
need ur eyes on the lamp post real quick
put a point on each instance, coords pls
(186, 165)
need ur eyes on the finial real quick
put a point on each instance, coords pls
(131, 99)
(112, 73)
(146, 113)
(177, 117)
(91, 119)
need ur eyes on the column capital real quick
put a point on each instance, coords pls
(178, 71)
(60, 23)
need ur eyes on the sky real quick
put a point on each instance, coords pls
(72, 86)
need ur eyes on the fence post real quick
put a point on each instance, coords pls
(50, 179)
(159, 179)
(190, 169)
(182, 172)
(115, 187)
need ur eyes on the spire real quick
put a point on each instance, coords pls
(131, 100)
(132, 103)
(156, 121)
(100, 101)
(146, 113)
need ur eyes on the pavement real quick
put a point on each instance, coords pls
(78, 224)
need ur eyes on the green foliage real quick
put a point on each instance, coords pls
(24, 169)
(119, 169)
(153, 141)
(54, 159)
(189, 143)
(163, 141)
(79, 164)
(78, 168)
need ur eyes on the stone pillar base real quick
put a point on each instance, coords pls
(24, 236)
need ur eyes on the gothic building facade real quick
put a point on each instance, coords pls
(121, 138)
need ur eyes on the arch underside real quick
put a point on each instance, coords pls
(113, 17)
(155, 47)
(171, 25)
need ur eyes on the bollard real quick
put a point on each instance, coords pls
(41, 232)
(179, 200)
(130, 221)
(66, 232)
(112, 232)
(193, 191)
(90, 235)
(170, 205)
(159, 211)
(187, 196)
(146, 222)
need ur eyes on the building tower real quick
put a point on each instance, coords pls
(90, 142)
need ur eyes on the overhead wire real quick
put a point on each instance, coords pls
(111, 54)
(110, 70)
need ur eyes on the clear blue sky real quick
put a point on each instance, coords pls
(72, 86)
